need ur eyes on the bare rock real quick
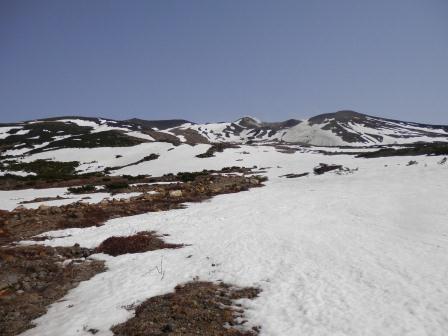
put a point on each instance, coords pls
(176, 193)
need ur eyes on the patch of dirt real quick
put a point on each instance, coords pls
(32, 277)
(217, 147)
(141, 242)
(286, 149)
(44, 199)
(195, 308)
(18, 183)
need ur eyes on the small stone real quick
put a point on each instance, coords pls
(176, 193)
(167, 328)
(254, 181)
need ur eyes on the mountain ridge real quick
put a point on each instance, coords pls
(341, 128)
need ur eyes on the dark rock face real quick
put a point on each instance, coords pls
(324, 168)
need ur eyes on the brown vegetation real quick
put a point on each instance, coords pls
(35, 276)
(195, 308)
(141, 242)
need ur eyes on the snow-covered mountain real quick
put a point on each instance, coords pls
(343, 128)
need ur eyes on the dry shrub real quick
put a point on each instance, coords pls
(140, 242)
(195, 308)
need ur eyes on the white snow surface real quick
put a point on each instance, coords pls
(12, 198)
(312, 134)
(5, 129)
(95, 159)
(16, 172)
(80, 122)
(356, 254)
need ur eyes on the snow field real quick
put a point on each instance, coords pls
(357, 254)
(12, 198)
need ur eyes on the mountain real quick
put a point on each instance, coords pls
(342, 128)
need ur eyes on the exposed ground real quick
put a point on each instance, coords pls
(195, 308)
(32, 277)
(140, 242)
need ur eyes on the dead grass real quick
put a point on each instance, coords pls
(32, 277)
(195, 308)
(140, 242)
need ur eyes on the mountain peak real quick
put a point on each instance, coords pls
(342, 115)
(248, 121)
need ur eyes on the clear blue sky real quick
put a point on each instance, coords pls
(218, 60)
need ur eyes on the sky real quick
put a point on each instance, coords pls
(220, 60)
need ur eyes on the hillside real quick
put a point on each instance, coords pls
(335, 225)
(343, 128)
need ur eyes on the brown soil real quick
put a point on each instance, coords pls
(141, 242)
(216, 148)
(32, 277)
(286, 149)
(24, 223)
(44, 199)
(11, 183)
(195, 308)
